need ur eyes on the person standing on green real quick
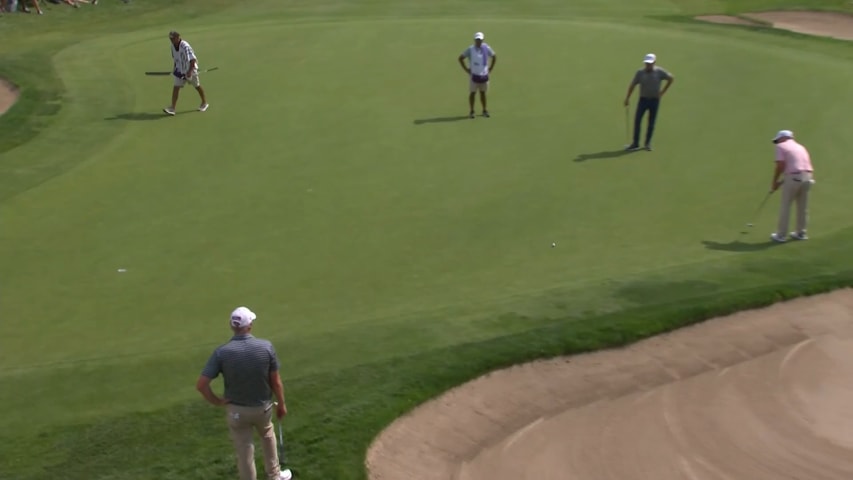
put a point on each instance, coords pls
(649, 78)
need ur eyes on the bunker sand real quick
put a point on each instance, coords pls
(761, 394)
(8, 95)
(824, 24)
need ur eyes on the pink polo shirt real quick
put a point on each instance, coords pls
(795, 157)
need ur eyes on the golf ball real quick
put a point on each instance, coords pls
(553, 244)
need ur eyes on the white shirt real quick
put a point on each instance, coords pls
(182, 56)
(478, 58)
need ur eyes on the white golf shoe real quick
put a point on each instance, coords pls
(285, 474)
(799, 236)
(203, 107)
(777, 238)
(169, 111)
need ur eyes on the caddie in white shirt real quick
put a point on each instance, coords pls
(478, 56)
(185, 70)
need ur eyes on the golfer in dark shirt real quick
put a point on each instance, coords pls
(649, 79)
(249, 367)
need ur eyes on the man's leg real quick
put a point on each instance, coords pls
(175, 91)
(483, 89)
(195, 82)
(788, 193)
(471, 98)
(653, 115)
(642, 106)
(264, 427)
(200, 91)
(240, 430)
(803, 205)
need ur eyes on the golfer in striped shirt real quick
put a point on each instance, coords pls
(185, 70)
(250, 369)
(649, 78)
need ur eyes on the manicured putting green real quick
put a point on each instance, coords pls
(309, 186)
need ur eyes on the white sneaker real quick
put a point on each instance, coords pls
(285, 475)
(799, 236)
(203, 107)
(777, 238)
(169, 111)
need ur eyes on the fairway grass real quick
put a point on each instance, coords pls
(390, 249)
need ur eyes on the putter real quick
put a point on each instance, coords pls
(160, 74)
(758, 210)
(286, 474)
(627, 130)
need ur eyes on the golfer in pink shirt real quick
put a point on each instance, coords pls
(792, 161)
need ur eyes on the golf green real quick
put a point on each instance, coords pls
(337, 188)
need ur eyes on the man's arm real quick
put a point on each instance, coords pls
(630, 91)
(669, 79)
(780, 168)
(275, 382)
(462, 61)
(189, 55)
(494, 61)
(633, 84)
(203, 386)
(278, 390)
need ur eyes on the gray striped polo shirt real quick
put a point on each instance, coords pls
(650, 81)
(245, 363)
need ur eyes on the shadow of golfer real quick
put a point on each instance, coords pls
(737, 246)
(600, 155)
(139, 116)
(422, 121)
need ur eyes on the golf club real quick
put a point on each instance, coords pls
(169, 73)
(758, 210)
(627, 129)
(286, 474)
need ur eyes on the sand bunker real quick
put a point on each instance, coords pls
(825, 24)
(763, 395)
(8, 95)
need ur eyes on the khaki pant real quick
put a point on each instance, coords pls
(243, 422)
(795, 188)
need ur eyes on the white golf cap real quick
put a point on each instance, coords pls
(650, 58)
(242, 317)
(783, 134)
(479, 36)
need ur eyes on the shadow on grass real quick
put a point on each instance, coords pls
(422, 121)
(139, 116)
(602, 155)
(737, 246)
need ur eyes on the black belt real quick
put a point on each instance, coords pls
(265, 405)
(797, 173)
